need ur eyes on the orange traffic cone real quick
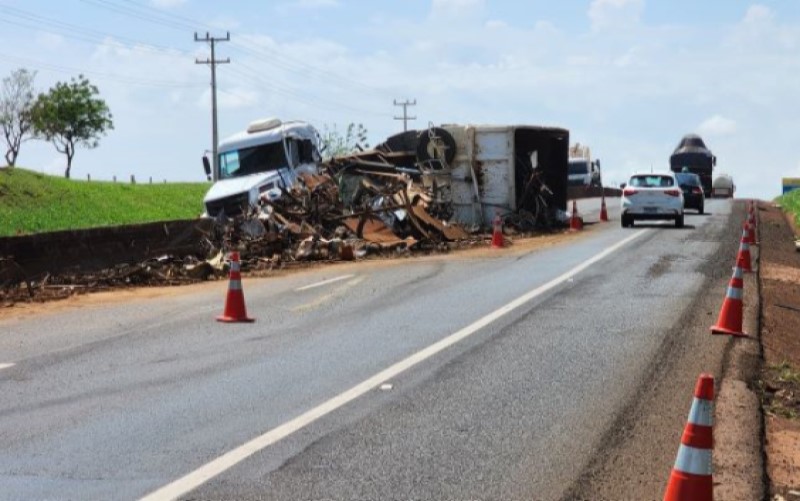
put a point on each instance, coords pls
(575, 222)
(691, 478)
(497, 232)
(743, 258)
(235, 310)
(748, 232)
(730, 315)
(603, 210)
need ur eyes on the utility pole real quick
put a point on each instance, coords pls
(213, 62)
(405, 118)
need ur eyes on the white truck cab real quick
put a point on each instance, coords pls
(582, 170)
(258, 162)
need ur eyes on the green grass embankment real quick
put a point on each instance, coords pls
(31, 202)
(790, 203)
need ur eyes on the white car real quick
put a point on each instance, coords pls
(652, 196)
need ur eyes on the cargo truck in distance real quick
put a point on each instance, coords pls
(692, 155)
(260, 162)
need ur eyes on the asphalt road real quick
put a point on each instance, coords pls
(488, 376)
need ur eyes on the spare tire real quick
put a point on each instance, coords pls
(403, 141)
(426, 150)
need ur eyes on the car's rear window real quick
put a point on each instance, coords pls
(688, 179)
(652, 181)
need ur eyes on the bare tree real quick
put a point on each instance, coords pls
(16, 101)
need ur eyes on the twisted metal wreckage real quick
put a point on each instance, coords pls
(419, 190)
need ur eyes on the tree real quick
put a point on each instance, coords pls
(16, 101)
(71, 115)
(335, 144)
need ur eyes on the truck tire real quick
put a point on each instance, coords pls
(425, 148)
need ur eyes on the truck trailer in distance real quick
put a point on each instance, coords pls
(692, 155)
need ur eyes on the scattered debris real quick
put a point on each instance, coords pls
(401, 197)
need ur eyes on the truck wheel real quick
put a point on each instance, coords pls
(679, 221)
(426, 151)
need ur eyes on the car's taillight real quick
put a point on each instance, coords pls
(673, 193)
(629, 191)
(697, 190)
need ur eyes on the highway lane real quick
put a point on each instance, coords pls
(119, 401)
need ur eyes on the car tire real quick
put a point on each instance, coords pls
(701, 209)
(679, 221)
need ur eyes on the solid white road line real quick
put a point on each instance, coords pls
(223, 463)
(6, 366)
(324, 282)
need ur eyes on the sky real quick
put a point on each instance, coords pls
(627, 77)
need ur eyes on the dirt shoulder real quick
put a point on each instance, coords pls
(780, 326)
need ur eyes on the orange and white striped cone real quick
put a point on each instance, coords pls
(743, 260)
(603, 210)
(497, 232)
(692, 475)
(575, 222)
(730, 315)
(748, 232)
(235, 310)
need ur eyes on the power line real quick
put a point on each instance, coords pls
(103, 75)
(170, 20)
(213, 62)
(405, 118)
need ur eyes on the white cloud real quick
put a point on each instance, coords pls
(495, 24)
(757, 14)
(718, 125)
(606, 14)
(167, 4)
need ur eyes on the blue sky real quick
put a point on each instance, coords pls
(627, 77)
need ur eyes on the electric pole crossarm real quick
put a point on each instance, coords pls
(405, 118)
(213, 62)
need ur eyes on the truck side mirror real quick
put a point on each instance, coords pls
(597, 164)
(207, 167)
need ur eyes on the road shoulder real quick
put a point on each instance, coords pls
(780, 311)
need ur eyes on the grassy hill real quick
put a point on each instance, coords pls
(791, 203)
(31, 202)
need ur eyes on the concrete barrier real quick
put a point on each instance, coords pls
(29, 256)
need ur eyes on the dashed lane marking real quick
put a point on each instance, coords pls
(208, 471)
(324, 282)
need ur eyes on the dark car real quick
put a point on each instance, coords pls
(692, 187)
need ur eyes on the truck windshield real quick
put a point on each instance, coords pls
(261, 158)
(578, 167)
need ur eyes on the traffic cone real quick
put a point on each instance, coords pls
(743, 260)
(748, 232)
(497, 232)
(575, 222)
(691, 478)
(603, 210)
(235, 310)
(730, 315)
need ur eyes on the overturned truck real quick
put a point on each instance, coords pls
(475, 172)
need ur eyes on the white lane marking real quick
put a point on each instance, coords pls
(6, 366)
(231, 458)
(337, 292)
(324, 282)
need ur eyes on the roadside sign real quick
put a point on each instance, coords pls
(790, 183)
